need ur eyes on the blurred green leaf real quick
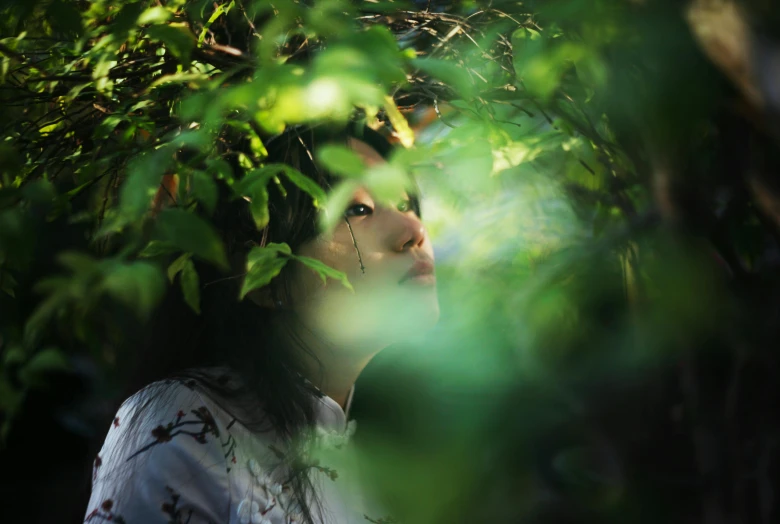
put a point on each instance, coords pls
(177, 265)
(335, 205)
(191, 234)
(449, 73)
(65, 17)
(306, 184)
(42, 363)
(155, 15)
(204, 188)
(190, 285)
(341, 161)
(401, 126)
(140, 285)
(177, 38)
(143, 179)
(127, 18)
(156, 248)
(220, 168)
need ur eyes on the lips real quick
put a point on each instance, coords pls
(420, 269)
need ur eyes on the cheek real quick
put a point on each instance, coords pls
(338, 253)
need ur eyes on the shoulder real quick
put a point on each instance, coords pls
(164, 412)
(164, 453)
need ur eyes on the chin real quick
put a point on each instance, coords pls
(391, 317)
(412, 315)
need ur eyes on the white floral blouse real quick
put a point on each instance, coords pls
(191, 462)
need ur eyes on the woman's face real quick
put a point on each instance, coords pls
(394, 297)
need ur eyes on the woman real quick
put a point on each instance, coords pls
(244, 401)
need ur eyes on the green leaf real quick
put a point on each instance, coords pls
(449, 73)
(154, 15)
(42, 363)
(156, 248)
(222, 8)
(143, 180)
(254, 177)
(191, 234)
(254, 188)
(177, 265)
(205, 190)
(259, 254)
(39, 191)
(306, 184)
(107, 126)
(77, 261)
(341, 160)
(8, 283)
(64, 17)
(36, 323)
(263, 264)
(126, 19)
(526, 43)
(140, 285)
(399, 122)
(337, 202)
(177, 39)
(387, 182)
(14, 355)
(190, 286)
(259, 206)
(324, 271)
(220, 168)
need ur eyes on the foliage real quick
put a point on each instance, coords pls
(602, 200)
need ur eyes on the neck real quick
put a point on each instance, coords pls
(335, 368)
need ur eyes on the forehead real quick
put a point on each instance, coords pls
(369, 155)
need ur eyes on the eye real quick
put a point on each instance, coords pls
(404, 206)
(358, 210)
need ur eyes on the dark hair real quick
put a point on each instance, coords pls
(255, 345)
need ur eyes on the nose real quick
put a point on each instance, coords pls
(408, 231)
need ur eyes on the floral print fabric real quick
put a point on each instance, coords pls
(183, 459)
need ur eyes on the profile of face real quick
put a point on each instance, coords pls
(394, 294)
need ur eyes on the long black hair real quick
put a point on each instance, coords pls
(256, 346)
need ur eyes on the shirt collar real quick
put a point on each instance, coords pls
(328, 414)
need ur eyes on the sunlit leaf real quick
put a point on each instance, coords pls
(177, 38)
(336, 203)
(306, 184)
(324, 271)
(341, 160)
(219, 11)
(253, 188)
(401, 126)
(263, 264)
(154, 15)
(387, 182)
